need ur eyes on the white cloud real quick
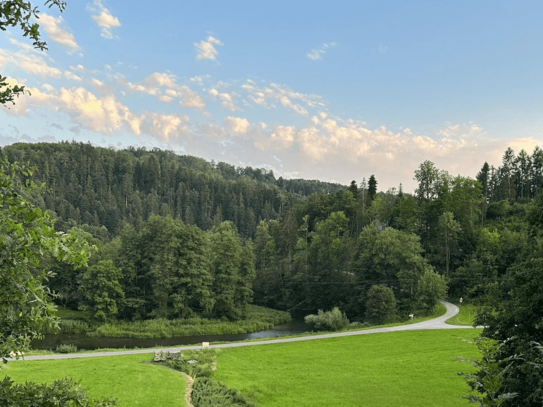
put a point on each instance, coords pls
(79, 68)
(268, 96)
(103, 115)
(52, 27)
(382, 48)
(226, 100)
(165, 88)
(206, 49)
(236, 125)
(31, 62)
(280, 138)
(317, 53)
(199, 79)
(71, 76)
(22, 45)
(167, 128)
(105, 20)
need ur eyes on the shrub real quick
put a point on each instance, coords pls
(66, 349)
(381, 305)
(431, 288)
(334, 320)
(61, 393)
(206, 392)
(194, 363)
(210, 393)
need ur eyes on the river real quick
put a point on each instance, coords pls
(83, 341)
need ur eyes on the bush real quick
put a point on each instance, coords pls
(194, 363)
(61, 393)
(381, 305)
(334, 320)
(66, 349)
(210, 393)
(206, 392)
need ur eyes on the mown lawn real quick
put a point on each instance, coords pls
(413, 368)
(465, 316)
(127, 378)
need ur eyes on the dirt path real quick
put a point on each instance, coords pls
(188, 389)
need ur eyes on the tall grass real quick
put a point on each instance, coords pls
(70, 326)
(257, 319)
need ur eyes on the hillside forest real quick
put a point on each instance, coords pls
(177, 238)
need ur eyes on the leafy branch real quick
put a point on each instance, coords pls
(19, 13)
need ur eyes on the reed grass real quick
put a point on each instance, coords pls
(257, 319)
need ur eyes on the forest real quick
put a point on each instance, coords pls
(177, 238)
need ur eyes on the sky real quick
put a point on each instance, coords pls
(334, 91)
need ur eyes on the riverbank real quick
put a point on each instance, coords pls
(257, 319)
(440, 314)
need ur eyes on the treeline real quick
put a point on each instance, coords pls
(164, 269)
(352, 248)
(330, 250)
(98, 186)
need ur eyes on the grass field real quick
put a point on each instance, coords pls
(127, 378)
(391, 369)
(465, 316)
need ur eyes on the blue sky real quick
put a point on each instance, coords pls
(329, 90)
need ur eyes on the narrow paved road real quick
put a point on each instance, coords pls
(436, 323)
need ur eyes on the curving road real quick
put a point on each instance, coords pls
(436, 323)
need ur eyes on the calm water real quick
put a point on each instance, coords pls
(84, 342)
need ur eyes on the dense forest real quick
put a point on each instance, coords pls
(176, 233)
(105, 187)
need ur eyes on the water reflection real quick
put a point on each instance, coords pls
(82, 341)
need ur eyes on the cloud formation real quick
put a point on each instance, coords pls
(273, 95)
(236, 125)
(317, 53)
(226, 100)
(29, 62)
(325, 147)
(205, 49)
(165, 88)
(105, 20)
(52, 27)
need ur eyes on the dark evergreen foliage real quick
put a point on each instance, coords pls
(105, 187)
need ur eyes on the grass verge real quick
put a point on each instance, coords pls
(465, 316)
(133, 383)
(409, 369)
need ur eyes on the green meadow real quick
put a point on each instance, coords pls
(412, 368)
(129, 379)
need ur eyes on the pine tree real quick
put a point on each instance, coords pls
(372, 187)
